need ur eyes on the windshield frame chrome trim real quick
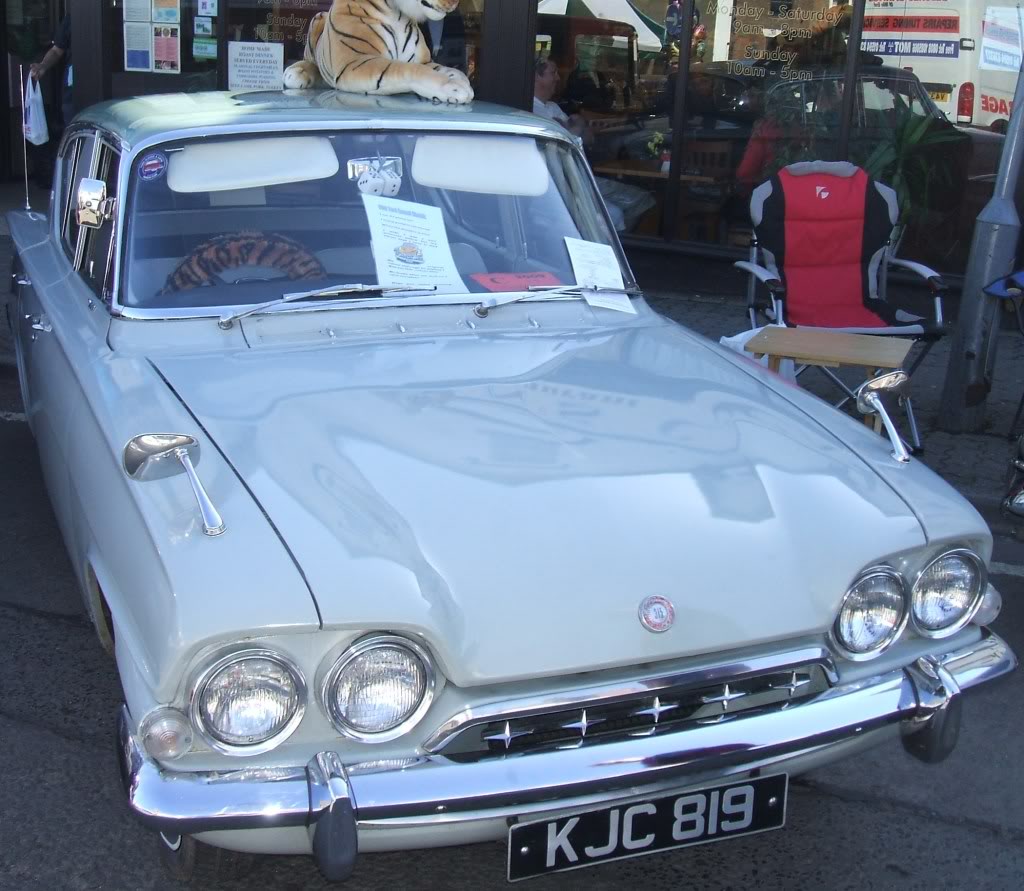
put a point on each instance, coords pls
(130, 154)
(332, 305)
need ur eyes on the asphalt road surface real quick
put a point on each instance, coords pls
(881, 820)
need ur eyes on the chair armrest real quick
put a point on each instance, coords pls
(934, 280)
(935, 283)
(768, 278)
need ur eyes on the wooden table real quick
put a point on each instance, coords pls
(807, 346)
(647, 170)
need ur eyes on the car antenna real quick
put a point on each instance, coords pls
(24, 141)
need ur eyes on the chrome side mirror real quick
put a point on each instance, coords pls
(93, 205)
(156, 456)
(869, 402)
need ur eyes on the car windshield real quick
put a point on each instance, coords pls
(245, 219)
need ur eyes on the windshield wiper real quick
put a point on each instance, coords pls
(327, 293)
(482, 309)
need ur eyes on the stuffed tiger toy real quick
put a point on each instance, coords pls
(376, 47)
(209, 259)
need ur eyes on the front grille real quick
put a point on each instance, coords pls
(670, 710)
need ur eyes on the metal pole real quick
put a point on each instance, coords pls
(670, 208)
(850, 79)
(24, 141)
(993, 254)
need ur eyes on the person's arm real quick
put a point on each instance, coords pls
(53, 56)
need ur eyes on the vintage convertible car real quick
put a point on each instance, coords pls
(409, 523)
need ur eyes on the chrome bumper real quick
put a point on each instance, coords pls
(333, 799)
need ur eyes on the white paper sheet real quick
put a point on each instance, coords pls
(410, 245)
(207, 7)
(594, 264)
(138, 46)
(136, 10)
(255, 66)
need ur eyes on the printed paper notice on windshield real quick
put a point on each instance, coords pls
(410, 245)
(596, 266)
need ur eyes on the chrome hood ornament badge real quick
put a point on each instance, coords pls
(657, 614)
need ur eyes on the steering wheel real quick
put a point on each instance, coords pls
(208, 260)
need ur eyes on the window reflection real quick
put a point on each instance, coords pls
(603, 70)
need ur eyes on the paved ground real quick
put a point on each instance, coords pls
(880, 820)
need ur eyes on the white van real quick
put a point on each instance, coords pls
(967, 53)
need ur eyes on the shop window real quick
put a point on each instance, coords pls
(936, 85)
(765, 89)
(173, 37)
(606, 74)
(265, 36)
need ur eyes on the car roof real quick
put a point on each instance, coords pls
(145, 118)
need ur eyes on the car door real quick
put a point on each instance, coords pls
(49, 255)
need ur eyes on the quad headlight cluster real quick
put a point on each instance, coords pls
(880, 603)
(252, 700)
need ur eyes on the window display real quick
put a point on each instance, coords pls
(173, 37)
(603, 68)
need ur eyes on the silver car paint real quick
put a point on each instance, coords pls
(511, 493)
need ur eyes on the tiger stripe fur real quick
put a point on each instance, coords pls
(376, 47)
(211, 258)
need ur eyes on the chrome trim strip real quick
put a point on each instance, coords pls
(988, 659)
(129, 155)
(435, 790)
(600, 694)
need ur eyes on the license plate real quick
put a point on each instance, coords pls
(675, 821)
(938, 97)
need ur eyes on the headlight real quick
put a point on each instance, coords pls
(873, 614)
(379, 688)
(248, 702)
(947, 593)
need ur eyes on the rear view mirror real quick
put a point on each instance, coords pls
(92, 205)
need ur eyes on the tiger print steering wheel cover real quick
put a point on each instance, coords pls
(236, 249)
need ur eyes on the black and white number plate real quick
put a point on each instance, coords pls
(675, 821)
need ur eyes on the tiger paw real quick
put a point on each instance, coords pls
(447, 85)
(301, 76)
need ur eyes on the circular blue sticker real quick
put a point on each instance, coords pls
(153, 166)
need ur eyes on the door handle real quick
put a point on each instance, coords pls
(22, 281)
(38, 323)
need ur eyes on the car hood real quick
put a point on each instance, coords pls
(513, 499)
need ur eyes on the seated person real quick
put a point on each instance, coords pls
(626, 203)
(545, 85)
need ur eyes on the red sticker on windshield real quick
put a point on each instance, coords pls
(514, 281)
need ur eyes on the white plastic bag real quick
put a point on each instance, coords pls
(36, 130)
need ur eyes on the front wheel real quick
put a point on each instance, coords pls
(191, 862)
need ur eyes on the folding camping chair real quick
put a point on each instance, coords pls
(823, 247)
